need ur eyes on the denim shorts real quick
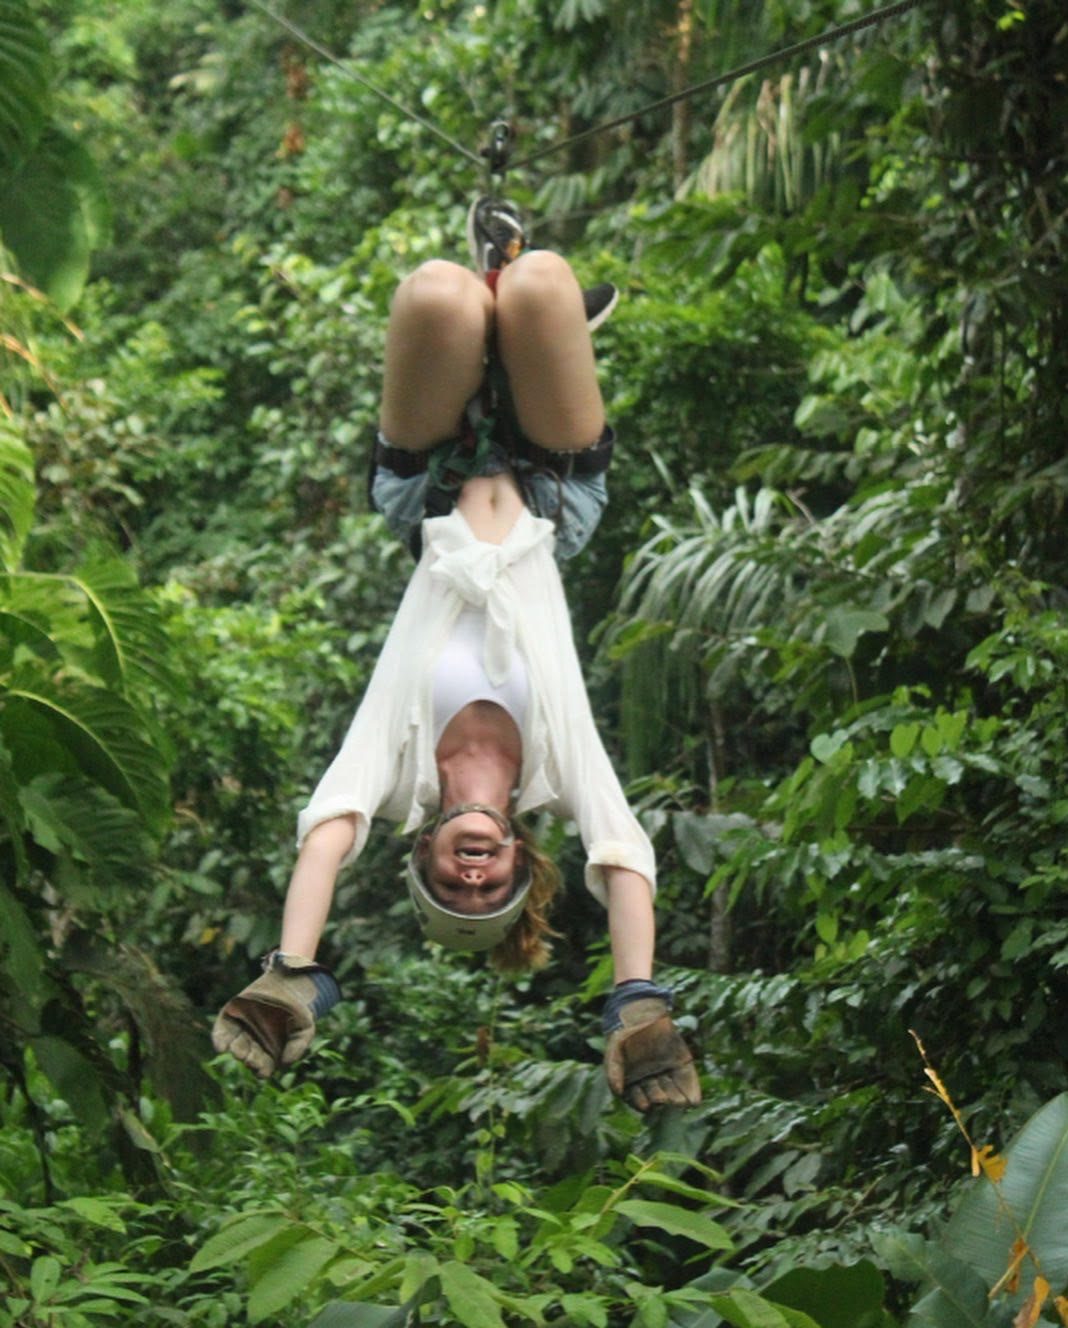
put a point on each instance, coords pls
(574, 503)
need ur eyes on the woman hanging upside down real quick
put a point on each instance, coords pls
(476, 711)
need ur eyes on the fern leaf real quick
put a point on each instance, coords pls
(103, 735)
(18, 495)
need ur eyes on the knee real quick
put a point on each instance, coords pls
(538, 279)
(439, 289)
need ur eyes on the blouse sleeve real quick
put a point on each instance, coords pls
(587, 788)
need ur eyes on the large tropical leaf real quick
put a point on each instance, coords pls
(953, 1295)
(53, 213)
(72, 818)
(24, 79)
(284, 1269)
(133, 638)
(17, 495)
(97, 618)
(25, 984)
(103, 735)
(1030, 1202)
(840, 1296)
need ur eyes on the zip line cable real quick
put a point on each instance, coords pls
(346, 68)
(786, 53)
(498, 155)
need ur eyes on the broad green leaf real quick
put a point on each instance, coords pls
(22, 962)
(25, 70)
(287, 1273)
(844, 627)
(903, 739)
(238, 1239)
(841, 1296)
(136, 1132)
(44, 1277)
(746, 1309)
(96, 1211)
(471, 1297)
(1034, 1189)
(12, 1244)
(419, 1268)
(585, 1308)
(685, 1190)
(676, 1221)
(356, 1314)
(956, 1296)
(131, 628)
(825, 745)
(53, 213)
(73, 1077)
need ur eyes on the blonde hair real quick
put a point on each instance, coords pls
(526, 948)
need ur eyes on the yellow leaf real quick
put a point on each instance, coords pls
(1010, 1278)
(940, 1087)
(990, 1163)
(1032, 1308)
(1061, 1304)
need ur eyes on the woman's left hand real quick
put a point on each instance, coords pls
(646, 1061)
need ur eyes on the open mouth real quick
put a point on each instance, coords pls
(474, 853)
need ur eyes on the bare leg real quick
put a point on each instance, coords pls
(546, 351)
(435, 351)
(311, 889)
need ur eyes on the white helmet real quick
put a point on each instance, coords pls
(467, 931)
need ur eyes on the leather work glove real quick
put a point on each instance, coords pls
(646, 1061)
(271, 1022)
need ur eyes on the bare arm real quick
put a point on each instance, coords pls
(631, 923)
(311, 888)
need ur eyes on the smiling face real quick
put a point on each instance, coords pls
(470, 863)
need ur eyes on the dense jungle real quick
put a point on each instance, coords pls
(824, 627)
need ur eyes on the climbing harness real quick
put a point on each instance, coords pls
(497, 152)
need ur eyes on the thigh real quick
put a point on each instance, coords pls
(435, 353)
(546, 351)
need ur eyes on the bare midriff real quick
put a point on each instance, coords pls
(491, 504)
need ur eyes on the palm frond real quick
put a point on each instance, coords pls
(130, 626)
(17, 495)
(101, 733)
(98, 619)
(73, 818)
(760, 148)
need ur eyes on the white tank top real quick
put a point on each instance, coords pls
(460, 676)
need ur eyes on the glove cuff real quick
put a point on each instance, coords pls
(633, 989)
(327, 991)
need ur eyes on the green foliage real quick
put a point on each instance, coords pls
(53, 206)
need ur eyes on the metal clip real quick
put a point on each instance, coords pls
(499, 148)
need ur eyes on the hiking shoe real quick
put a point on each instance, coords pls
(599, 300)
(495, 233)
